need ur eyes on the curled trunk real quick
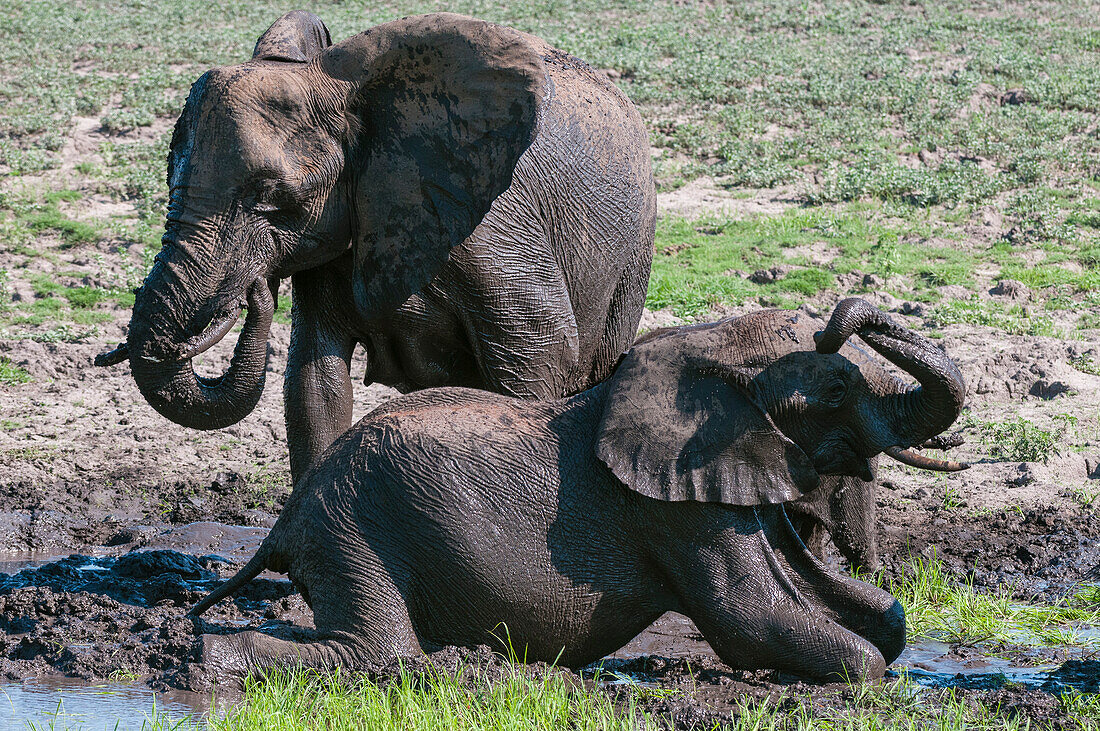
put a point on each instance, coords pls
(910, 416)
(162, 367)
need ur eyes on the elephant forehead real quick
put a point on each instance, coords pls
(758, 338)
(253, 106)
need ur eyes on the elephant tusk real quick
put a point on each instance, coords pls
(925, 463)
(208, 337)
(113, 357)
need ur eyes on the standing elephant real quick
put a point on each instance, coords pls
(451, 514)
(473, 206)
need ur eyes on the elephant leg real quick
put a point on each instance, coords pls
(317, 392)
(853, 523)
(527, 344)
(624, 312)
(360, 616)
(754, 616)
(844, 508)
(518, 317)
(866, 610)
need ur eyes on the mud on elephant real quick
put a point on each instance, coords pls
(454, 516)
(474, 207)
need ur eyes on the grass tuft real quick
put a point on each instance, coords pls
(11, 374)
(940, 605)
(434, 700)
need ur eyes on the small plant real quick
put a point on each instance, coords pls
(1020, 440)
(1085, 364)
(11, 374)
(1085, 496)
(951, 499)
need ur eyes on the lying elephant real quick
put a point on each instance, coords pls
(450, 515)
(473, 206)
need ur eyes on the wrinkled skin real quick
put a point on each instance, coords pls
(470, 205)
(455, 516)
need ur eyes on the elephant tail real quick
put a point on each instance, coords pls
(250, 571)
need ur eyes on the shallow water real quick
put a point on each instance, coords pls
(934, 665)
(66, 703)
(14, 562)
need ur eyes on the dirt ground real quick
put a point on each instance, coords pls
(113, 520)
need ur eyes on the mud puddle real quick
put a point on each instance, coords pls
(674, 640)
(940, 665)
(118, 612)
(68, 703)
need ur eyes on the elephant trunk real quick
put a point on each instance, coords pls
(160, 353)
(910, 416)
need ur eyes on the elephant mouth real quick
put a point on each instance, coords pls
(214, 331)
(844, 461)
(211, 334)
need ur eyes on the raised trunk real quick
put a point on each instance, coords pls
(160, 356)
(912, 416)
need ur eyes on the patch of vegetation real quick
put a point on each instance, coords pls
(882, 178)
(1015, 319)
(943, 606)
(434, 700)
(1085, 364)
(63, 333)
(47, 216)
(714, 260)
(301, 699)
(1021, 440)
(11, 374)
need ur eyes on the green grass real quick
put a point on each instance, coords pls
(292, 700)
(46, 215)
(1021, 440)
(431, 701)
(708, 261)
(940, 605)
(1012, 319)
(11, 374)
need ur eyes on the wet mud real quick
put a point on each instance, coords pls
(111, 619)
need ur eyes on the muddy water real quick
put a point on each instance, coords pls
(939, 665)
(112, 609)
(65, 703)
(925, 662)
(120, 608)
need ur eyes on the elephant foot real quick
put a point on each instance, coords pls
(228, 658)
(235, 656)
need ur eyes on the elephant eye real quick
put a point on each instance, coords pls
(274, 201)
(834, 393)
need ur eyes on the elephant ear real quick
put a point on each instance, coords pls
(297, 36)
(680, 423)
(444, 106)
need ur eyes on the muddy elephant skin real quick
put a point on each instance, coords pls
(460, 517)
(474, 207)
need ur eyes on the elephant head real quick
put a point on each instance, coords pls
(392, 144)
(755, 410)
